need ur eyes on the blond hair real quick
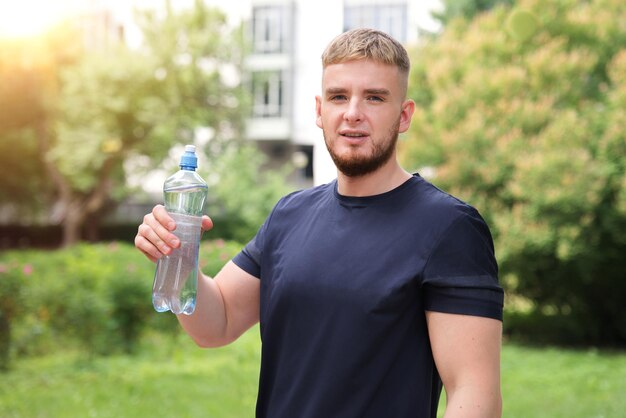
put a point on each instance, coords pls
(361, 44)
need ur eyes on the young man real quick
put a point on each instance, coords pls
(371, 290)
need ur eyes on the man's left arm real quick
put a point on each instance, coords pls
(466, 350)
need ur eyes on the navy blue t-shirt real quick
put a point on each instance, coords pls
(345, 282)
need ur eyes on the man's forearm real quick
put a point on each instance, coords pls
(469, 402)
(207, 325)
(226, 307)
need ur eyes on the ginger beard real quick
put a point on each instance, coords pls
(355, 164)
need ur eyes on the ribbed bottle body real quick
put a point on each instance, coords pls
(176, 277)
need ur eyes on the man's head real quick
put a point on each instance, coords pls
(368, 44)
(363, 104)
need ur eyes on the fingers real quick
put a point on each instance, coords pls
(207, 223)
(147, 248)
(154, 238)
(161, 215)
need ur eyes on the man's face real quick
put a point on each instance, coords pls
(361, 111)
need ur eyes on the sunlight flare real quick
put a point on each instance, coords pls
(28, 18)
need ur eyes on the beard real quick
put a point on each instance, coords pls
(359, 165)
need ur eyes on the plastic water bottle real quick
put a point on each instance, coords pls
(176, 277)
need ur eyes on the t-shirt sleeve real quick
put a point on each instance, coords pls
(249, 258)
(461, 274)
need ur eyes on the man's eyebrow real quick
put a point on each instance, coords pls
(335, 90)
(378, 92)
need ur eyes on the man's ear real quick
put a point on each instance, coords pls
(318, 112)
(408, 108)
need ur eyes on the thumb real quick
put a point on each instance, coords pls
(207, 223)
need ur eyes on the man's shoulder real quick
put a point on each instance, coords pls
(304, 197)
(436, 197)
(441, 207)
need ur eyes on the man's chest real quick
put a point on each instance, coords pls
(342, 262)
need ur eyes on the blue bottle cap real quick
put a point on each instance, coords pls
(189, 161)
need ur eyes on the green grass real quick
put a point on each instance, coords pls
(168, 379)
(174, 378)
(563, 383)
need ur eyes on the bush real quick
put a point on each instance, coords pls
(535, 327)
(214, 254)
(73, 294)
(94, 296)
(11, 289)
(528, 128)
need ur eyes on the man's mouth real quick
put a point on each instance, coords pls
(353, 134)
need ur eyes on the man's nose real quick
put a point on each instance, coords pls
(353, 112)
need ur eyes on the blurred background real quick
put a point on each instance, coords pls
(521, 111)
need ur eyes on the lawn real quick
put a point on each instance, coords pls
(558, 383)
(174, 378)
(168, 379)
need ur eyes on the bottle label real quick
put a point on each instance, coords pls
(176, 277)
(188, 227)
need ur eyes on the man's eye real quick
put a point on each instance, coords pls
(376, 99)
(338, 97)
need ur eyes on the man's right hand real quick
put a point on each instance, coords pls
(233, 294)
(154, 236)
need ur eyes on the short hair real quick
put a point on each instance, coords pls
(363, 43)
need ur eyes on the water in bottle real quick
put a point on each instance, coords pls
(176, 277)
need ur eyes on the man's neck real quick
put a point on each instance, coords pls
(386, 178)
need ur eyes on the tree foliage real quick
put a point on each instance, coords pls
(245, 193)
(28, 88)
(90, 117)
(466, 9)
(521, 112)
(108, 110)
(199, 59)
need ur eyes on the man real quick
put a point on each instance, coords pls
(371, 290)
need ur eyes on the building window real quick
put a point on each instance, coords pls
(303, 161)
(388, 18)
(268, 94)
(270, 29)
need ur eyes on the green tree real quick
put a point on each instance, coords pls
(108, 111)
(28, 88)
(142, 102)
(245, 193)
(112, 106)
(521, 113)
(199, 59)
(466, 9)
